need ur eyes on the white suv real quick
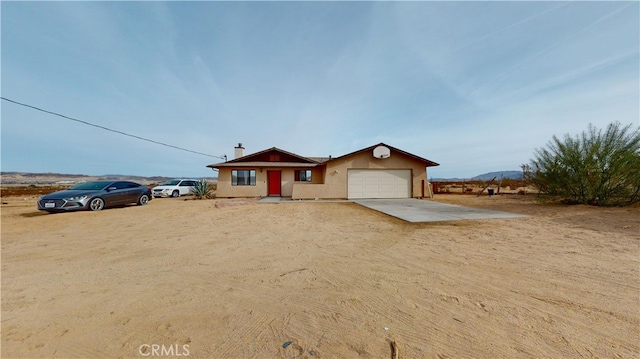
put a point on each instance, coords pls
(174, 188)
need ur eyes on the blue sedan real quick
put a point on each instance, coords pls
(95, 196)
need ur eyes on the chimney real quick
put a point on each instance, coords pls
(239, 151)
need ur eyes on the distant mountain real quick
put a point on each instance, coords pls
(136, 178)
(453, 179)
(483, 177)
(505, 174)
(40, 174)
(58, 178)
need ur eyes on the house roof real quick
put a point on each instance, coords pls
(427, 162)
(272, 149)
(289, 159)
(263, 164)
(262, 159)
(320, 159)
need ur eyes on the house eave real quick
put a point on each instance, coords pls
(428, 163)
(263, 164)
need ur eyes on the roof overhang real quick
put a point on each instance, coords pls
(304, 162)
(263, 164)
(428, 163)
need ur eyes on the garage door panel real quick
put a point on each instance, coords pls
(379, 184)
(392, 189)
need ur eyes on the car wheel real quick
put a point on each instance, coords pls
(175, 193)
(96, 204)
(144, 199)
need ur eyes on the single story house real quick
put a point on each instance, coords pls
(379, 171)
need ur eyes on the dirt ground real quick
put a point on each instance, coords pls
(239, 279)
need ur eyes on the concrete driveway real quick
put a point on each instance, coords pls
(416, 210)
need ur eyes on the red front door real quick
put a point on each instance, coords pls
(273, 183)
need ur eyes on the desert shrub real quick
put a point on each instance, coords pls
(596, 167)
(201, 189)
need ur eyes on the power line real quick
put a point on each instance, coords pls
(111, 130)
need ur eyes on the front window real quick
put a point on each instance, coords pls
(243, 177)
(302, 176)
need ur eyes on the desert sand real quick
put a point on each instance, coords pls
(239, 279)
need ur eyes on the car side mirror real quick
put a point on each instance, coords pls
(111, 189)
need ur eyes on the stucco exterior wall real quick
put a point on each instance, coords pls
(329, 180)
(335, 180)
(287, 182)
(225, 189)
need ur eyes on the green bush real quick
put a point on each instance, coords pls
(597, 167)
(201, 189)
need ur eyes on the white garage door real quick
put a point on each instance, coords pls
(379, 184)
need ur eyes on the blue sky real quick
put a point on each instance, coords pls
(474, 86)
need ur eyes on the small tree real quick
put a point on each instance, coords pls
(201, 189)
(527, 177)
(596, 167)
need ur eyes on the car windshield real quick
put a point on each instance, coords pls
(170, 183)
(91, 185)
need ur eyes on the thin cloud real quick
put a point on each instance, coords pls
(469, 85)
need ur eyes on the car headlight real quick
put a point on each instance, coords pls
(77, 198)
